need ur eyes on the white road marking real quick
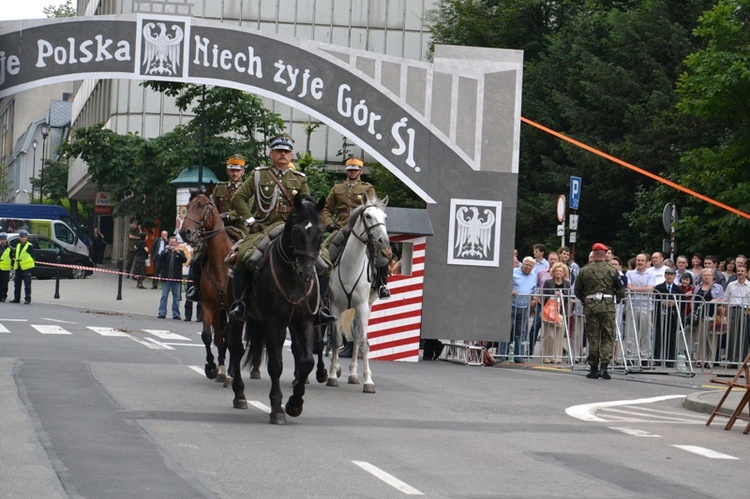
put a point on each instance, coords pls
(3, 329)
(585, 412)
(45, 329)
(388, 478)
(198, 370)
(649, 418)
(258, 405)
(58, 320)
(634, 433)
(702, 451)
(108, 331)
(166, 335)
(159, 344)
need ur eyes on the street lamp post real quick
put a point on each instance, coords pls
(45, 133)
(34, 144)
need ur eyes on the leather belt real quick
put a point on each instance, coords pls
(280, 208)
(598, 296)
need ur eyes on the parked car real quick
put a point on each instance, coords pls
(47, 250)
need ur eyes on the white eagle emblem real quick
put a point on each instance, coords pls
(161, 52)
(474, 238)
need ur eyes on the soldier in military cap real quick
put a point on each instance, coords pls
(264, 201)
(343, 198)
(596, 287)
(221, 197)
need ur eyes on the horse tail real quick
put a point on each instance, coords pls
(347, 321)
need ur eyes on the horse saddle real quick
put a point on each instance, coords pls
(337, 243)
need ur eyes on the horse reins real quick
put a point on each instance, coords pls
(204, 235)
(286, 259)
(370, 244)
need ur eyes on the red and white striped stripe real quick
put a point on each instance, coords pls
(395, 324)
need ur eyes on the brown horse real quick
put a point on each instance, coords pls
(203, 226)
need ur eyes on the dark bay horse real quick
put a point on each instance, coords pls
(203, 226)
(286, 295)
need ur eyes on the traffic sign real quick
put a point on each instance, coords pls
(561, 230)
(572, 237)
(560, 208)
(573, 224)
(575, 192)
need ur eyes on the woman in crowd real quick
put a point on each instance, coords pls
(139, 261)
(556, 289)
(729, 269)
(686, 284)
(704, 310)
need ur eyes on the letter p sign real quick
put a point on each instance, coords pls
(575, 193)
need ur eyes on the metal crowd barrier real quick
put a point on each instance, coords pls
(653, 330)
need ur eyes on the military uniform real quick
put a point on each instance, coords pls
(343, 198)
(222, 198)
(596, 287)
(260, 197)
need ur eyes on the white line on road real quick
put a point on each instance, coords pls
(258, 405)
(702, 451)
(3, 329)
(45, 329)
(108, 331)
(635, 433)
(159, 343)
(198, 370)
(388, 478)
(166, 335)
(585, 412)
(58, 320)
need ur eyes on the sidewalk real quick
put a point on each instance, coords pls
(99, 292)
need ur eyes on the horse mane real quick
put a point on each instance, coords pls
(376, 201)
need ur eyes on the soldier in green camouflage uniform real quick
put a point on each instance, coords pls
(597, 286)
(264, 201)
(221, 197)
(343, 198)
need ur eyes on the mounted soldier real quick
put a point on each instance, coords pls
(343, 198)
(264, 202)
(221, 196)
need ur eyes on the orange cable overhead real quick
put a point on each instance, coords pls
(636, 169)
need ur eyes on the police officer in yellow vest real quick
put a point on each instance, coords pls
(343, 198)
(222, 197)
(5, 265)
(23, 262)
(264, 201)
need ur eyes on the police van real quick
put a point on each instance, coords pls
(56, 230)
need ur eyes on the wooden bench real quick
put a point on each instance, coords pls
(740, 380)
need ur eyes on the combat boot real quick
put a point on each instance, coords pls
(383, 292)
(193, 292)
(324, 315)
(603, 372)
(594, 373)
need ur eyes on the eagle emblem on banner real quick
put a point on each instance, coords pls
(474, 234)
(161, 50)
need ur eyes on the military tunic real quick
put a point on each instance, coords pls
(222, 198)
(260, 197)
(343, 198)
(594, 279)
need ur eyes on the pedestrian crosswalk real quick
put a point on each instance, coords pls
(153, 339)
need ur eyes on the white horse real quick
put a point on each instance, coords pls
(350, 289)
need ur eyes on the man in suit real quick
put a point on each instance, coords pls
(156, 250)
(670, 299)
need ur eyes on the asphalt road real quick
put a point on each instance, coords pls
(92, 414)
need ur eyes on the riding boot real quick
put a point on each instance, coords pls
(594, 374)
(603, 372)
(383, 292)
(324, 315)
(237, 311)
(193, 292)
(347, 350)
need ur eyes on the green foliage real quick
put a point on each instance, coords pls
(387, 184)
(320, 179)
(55, 188)
(63, 10)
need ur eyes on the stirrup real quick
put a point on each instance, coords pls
(193, 294)
(383, 292)
(324, 317)
(237, 311)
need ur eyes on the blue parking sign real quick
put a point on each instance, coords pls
(575, 193)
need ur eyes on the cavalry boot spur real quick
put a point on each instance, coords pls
(603, 372)
(594, 373)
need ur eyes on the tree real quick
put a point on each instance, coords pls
(63, 10)
(55, 188)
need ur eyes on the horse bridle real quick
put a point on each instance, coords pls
(367, 228)
(277, 247)
(207, 234)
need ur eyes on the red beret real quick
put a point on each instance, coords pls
(599, 247)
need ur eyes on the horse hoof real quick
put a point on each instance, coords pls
(293, 409)
(321, 376)
(240, 404)
(228, 382)
(279, 418)
(353, 379)
(332, 382)
(254, 374)
(211, 371)
(368, 388)
(220, 378)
